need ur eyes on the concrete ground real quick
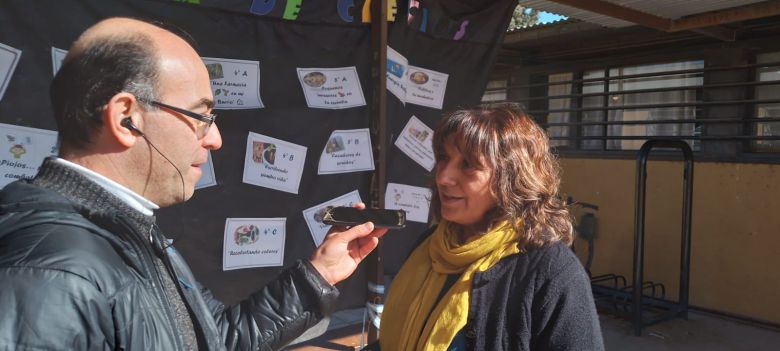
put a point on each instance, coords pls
(700, 332)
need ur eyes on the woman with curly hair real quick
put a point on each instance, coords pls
(496, 272)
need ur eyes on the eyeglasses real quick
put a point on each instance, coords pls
(201, 130)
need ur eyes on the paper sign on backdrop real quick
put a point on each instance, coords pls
(9, 57)
(207, 177)
(235, 83)
(22, 150)
(253, 242)
(273, 163)
(331, 88)
(415, 200)
(313, 215)
(416, 141)
(426, 87)
(397, 74)
(415, 85)
(57, 55)
(347, 151)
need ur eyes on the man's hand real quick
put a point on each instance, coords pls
(343, 249)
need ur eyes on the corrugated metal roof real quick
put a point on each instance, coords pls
(672, 9)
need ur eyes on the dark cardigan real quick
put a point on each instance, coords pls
(539, 299)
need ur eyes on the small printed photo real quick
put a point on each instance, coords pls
(257, 151)
(17, 150)
(395, 68)
(314, 79)
(319, 215)
(263, 152)
(215, 71)
(418, 77)
(335, 144)
(246, 234)
(420, 135)
(269, 155)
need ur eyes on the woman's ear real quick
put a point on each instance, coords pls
(122, 119)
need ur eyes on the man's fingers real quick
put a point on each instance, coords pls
(365, 230)
(379, 232)
(357, 231)
(366, 246)
(360, 206)
(335, 230)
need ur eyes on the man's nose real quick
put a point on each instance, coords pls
(213, 139)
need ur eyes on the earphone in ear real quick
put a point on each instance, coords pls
(127, 122)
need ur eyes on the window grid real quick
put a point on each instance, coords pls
(618, 108)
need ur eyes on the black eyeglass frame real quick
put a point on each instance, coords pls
(208, 119)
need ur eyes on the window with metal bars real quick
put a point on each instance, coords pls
(614, 109)
(617, 107)
(495, 91)
(767, 73)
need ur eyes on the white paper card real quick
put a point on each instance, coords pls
(416, 141)
(273, 163)
(22, 150)
(207, 177)
(9, 57)
(426, 87)
(397, 74)
(331, 88)
(57, 56)
(347, 151)
(253, 242)
(415, 200)
(235, 83)
(313, 215)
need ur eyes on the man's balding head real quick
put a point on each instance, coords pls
(114, 55)
(112, 29)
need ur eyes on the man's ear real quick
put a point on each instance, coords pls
(122, 105)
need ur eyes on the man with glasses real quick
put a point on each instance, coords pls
(83, 265)
(201, 130)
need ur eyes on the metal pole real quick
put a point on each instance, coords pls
(379, 118)
(685, 246)
(639, 235)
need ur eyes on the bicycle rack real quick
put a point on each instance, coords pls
(585, 228)
(679, 309)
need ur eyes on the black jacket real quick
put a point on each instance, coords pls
(537, 300)
(84, 278)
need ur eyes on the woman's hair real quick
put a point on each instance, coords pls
(526, 175)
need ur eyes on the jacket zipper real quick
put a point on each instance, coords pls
(148, 260)
(168, 264)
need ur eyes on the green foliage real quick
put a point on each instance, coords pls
(523, 17)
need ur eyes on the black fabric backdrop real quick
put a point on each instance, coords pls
(227, 29)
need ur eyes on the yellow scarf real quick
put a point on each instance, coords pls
(420, 280)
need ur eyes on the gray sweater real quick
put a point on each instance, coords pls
(79, 189)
